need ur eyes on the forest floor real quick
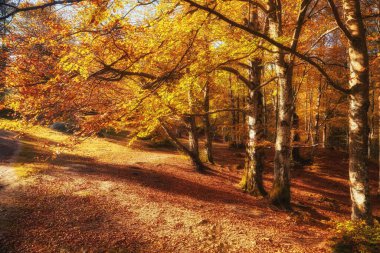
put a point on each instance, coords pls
(103, 195)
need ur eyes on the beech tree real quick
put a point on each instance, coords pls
(187, 64)
(354, 31)
(357, 90)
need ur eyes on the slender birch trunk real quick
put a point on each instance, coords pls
(275, 103)
(233, 116)
(3, 48)
(265, 111)
(206, 123)
(296, 138)
(372, 127)
(193, 135)
(315, 137)
(310, 128)
(325, 135)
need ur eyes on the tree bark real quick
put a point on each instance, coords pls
(206, 123)
(378, 189)
(191, 123)
(315, 137)
(275, 103)
(325, 135)
(237, 131)
(252, 181)
(265, 111)
(372, 127)
(296, 152)
(358, 109)
(3, 49)
(280, 192)
(306, 110)
(310, 128)
(233, 116)
(194, 158)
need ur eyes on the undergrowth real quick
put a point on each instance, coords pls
(356, 237)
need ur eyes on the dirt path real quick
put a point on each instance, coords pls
(9, 148)
(150, 201)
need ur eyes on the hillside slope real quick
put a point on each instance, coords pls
(103, 195)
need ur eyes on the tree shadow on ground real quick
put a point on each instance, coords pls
(197, 188)
(8, 146)
(61, 223)
(157, 179)
(201, 187)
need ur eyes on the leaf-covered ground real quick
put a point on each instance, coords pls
(102, 195)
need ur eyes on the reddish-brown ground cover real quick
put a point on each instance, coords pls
(154, 201)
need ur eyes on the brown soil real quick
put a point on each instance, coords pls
(154, 201)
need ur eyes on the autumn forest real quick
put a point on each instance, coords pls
(189, 126)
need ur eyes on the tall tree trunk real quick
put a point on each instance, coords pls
(310, 128)
(280, 192)
(325, 137)
(238, 132)
(315, 137)
(3, 49)
(206, 122)
(233, 116)
(296, 138)
(372, 127)
(265, 111)
(192, 126)
(276, 113)
(306, 109)
(358, 105)
(252, 180)
(193, 136)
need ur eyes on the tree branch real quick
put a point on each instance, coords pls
(215, 111)
(299, 24)
(238, 74)
(338, 20)
(35, 7)
(321, 37)
(271, 41)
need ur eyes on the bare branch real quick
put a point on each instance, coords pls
(338, 20)
(322, 36)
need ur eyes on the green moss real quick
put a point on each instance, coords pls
(243, 183)
(356, 237)
(280, 196)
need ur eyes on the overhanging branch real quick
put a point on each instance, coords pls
(271, 41)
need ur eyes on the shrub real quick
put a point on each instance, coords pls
(356, 237)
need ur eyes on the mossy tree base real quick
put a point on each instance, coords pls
(252, 183)
(280, 196)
